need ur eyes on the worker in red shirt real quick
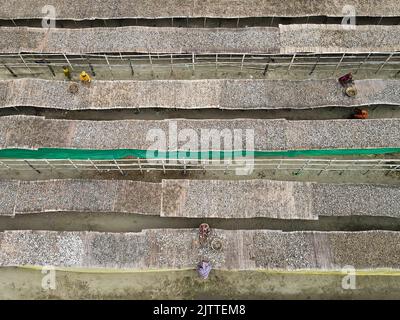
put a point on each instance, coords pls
(360, 114)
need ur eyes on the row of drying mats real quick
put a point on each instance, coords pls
(23, 135)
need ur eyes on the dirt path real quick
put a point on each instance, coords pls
(112, 222)
(327, 113)
(184, 71)
(26, 284)
(361, 176)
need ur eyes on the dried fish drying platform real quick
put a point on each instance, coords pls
(196, 94)
(139, 39)
(287, 39)
(21, 197)
(112, 9)
(30, 132)
(179, 248)
(276, 199)
(338, 38)
(200, 199)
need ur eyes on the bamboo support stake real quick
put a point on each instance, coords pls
(326, 167)
(291, 62)
(73, 164)
(386, 61)
(49, 164)
(340, 62)
(3, 164)
(31, 166)
(25, 64)
(163, 166)
(94, 165)
(109, 66)
(69, 63)
(140, 165)
(241, 64)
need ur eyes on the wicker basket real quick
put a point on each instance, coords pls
(73, 88)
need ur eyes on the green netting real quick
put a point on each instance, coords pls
(82, 154)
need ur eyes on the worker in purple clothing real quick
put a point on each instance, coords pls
(346, 79)
(203, 269)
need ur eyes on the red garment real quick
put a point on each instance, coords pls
(361, 114)
(204, 230)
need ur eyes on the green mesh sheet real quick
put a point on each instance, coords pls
(82, 154)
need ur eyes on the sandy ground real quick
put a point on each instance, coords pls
(26, 284)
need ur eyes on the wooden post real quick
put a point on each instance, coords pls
(49, 164)
(226, 168)
(90, 66)
(241, 65)
(391, 170)
(94, 165)
(3, 164)
(291, 62)
(378, 164)
(326, 168)
(49, 66)
(362, 62)
(69, 63)
(73, 164)
(193, 57)
(338, 65)
(10, 70)
(163, 166)
(386, 61)
(23, 61)
(267, 67)
(140, 166)
(132, 71)
(314, 66)
(116, 163)
(109, 66)
(279, 165)
(272, 21)
(151, 63)
(303, 167)
(33, 168)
